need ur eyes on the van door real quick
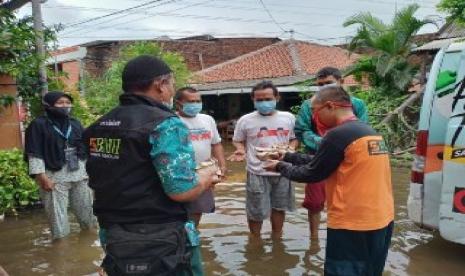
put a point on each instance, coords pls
(452, 205)
(436, 113)
(415, 202)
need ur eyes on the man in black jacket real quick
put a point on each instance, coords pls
(142, 168)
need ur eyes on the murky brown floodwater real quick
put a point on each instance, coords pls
(25, 247)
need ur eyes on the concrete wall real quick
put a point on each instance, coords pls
(10, 128)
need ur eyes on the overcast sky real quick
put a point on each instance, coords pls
(317, 21)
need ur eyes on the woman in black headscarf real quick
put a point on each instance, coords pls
(56, 158)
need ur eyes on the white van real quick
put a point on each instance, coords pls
(437, 189)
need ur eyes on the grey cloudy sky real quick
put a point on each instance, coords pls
(317, 21)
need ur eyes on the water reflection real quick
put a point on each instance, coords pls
(26, 248)
(272, 256)
(313, 258)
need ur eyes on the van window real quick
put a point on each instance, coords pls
(451, 61)
(447, 74)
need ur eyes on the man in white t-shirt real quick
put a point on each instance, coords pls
(205, 140)
(267, 192)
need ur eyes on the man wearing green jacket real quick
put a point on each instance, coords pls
(309, 131)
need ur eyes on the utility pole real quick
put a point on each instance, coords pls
(38, 27)
(292, 32)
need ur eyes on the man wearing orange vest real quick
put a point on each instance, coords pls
(354, 160)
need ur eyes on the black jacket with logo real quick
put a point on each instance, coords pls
(127, 187)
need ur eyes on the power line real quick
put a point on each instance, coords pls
(181, 35)
(134, 10)
(118, 17)
(190, 32)
(228, 7)
(134, 29)
(322, 39)
(113, 26)
(128, 21)
(202, 17)
(271, 16)
(184, 32)
(391, 3)
(216, 18)
(160, 39)
(286, 4)
(203, 4)
(231, 7)
(113, 13)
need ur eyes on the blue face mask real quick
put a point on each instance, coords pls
(191, 109)
(265, 107)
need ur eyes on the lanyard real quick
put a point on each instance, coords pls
(68, 132)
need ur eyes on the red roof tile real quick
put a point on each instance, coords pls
(314, 57)
(276, 61)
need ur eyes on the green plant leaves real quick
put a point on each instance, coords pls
(16, 187)
(102, 93)
(387, 68)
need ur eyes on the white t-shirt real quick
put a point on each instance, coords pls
(203, 134)
(257, 130)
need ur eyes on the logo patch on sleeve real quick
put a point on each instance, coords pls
(376, 147)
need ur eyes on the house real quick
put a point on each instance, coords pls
(424, 54)
(288, 64)
(199, 52)
(450, 32)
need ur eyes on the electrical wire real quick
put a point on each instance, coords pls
(113, 13)
(129, 21)
(142, 9)
(271, 16)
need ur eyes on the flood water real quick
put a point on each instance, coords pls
(26, 248)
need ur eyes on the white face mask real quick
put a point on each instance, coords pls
(334, 84)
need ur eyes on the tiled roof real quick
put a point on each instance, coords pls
(451, 30)
(315, 57)
(283, 59)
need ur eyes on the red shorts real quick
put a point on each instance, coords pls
(315, 197)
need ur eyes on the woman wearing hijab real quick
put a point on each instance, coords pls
(56, 158)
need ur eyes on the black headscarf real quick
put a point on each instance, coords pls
(55, 114)
(43, 141)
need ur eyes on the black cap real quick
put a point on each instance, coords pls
(52, 97)
(142, 69)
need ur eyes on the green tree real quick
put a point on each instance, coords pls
(387, 67)
(18, 56)
(102, 93)
(389, 72)
(455, 9)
